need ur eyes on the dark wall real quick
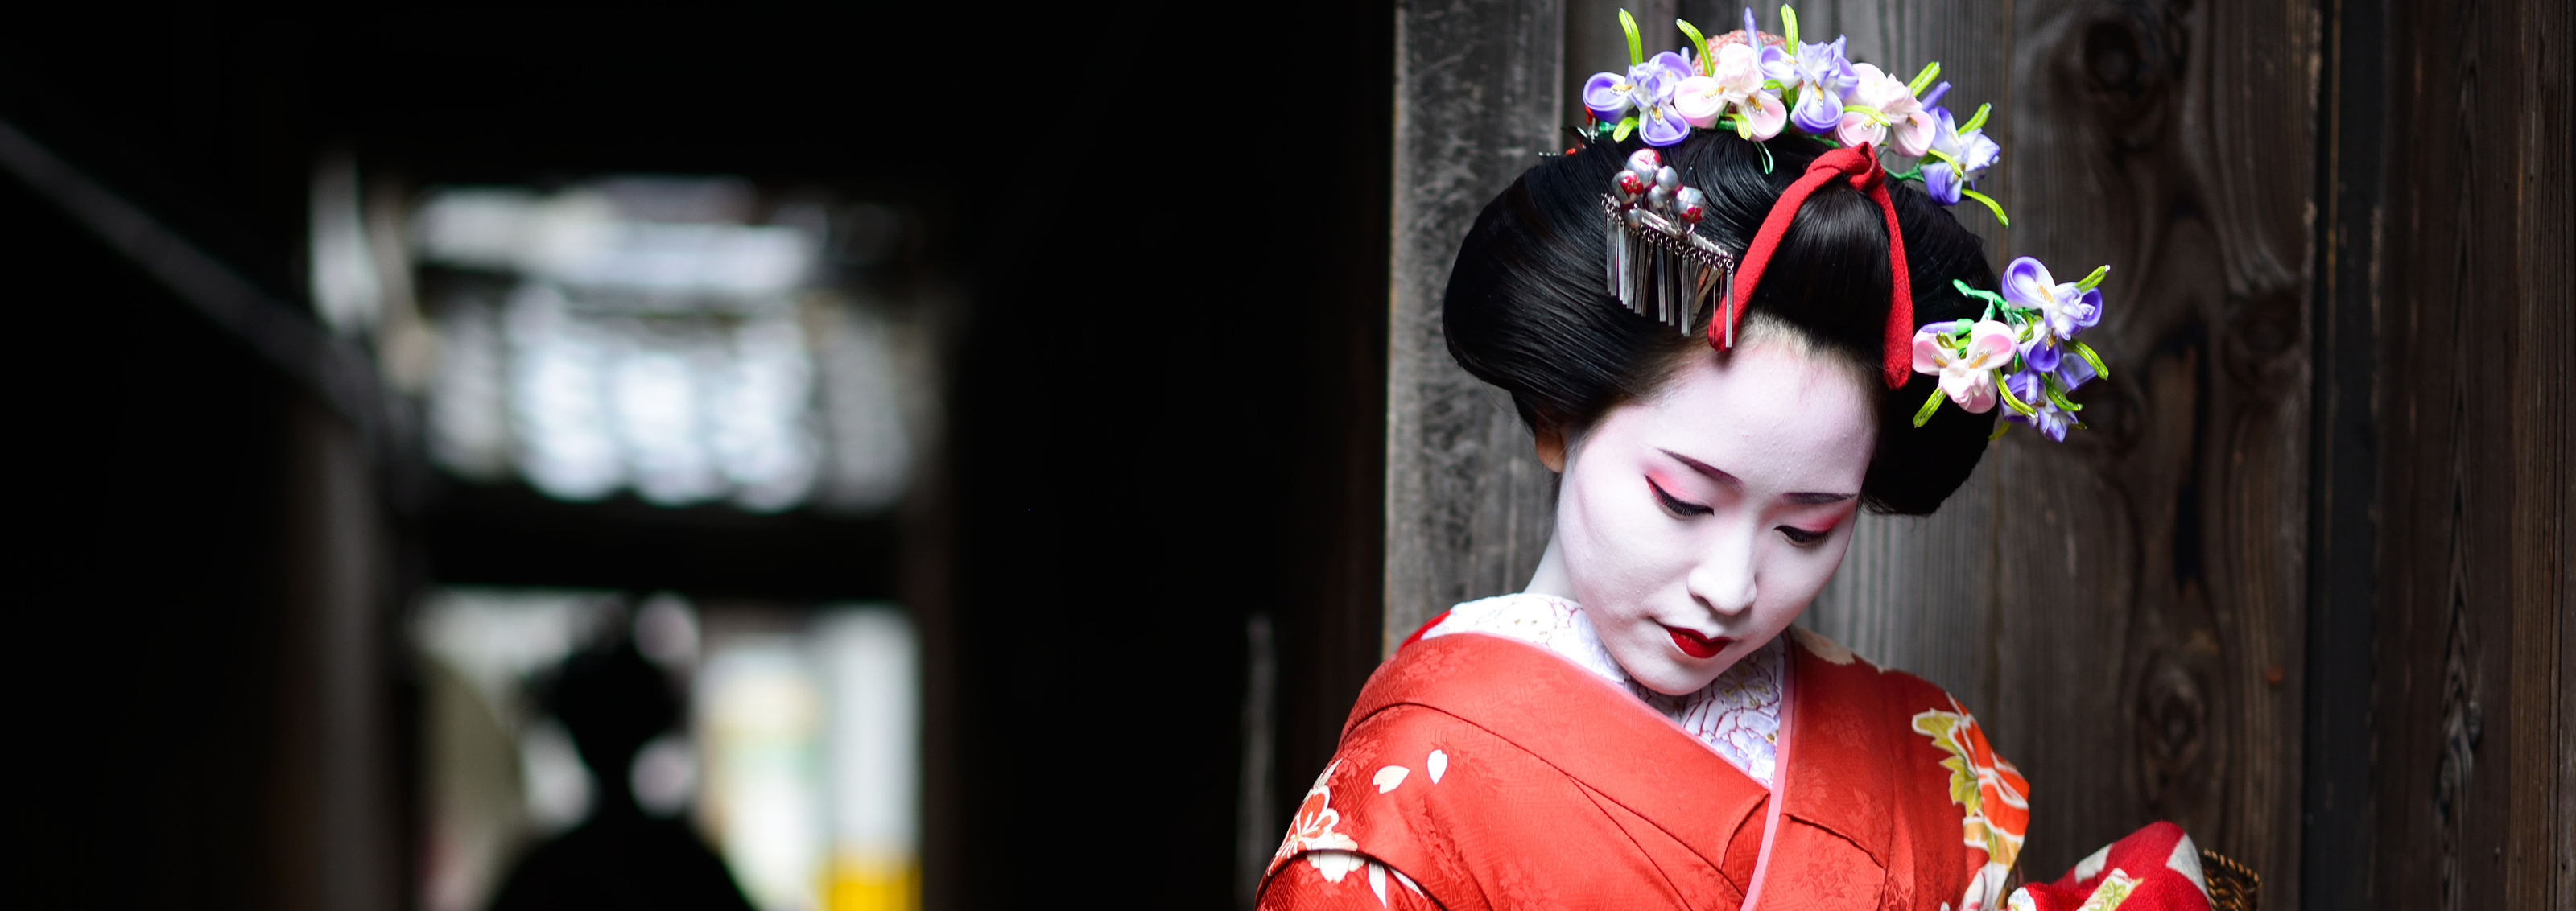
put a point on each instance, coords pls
(144, 671)
(1169, 230)
(1169, 420)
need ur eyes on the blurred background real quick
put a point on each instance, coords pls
(972, 457)
(944, 444)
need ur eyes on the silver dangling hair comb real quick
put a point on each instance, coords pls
(1658, 267)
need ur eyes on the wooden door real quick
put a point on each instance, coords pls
(2124, 610)
(2453, 264)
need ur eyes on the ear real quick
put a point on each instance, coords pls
(1551, 447)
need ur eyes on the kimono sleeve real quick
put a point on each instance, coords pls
(2156, 868)
(1319, 880)
(1990, 795)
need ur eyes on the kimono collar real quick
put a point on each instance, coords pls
(1736, 714)
(1836, 773)
(1585, 726)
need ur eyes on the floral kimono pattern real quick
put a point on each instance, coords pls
(1990, 791)
(1482, 772)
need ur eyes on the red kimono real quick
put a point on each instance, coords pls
(1480, 772)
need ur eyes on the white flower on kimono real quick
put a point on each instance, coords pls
(1889, 105)
(1967, 371)
(1735, 88)
(2111, 892)
(1333, 865)
(1311, 832)
(1378, 875)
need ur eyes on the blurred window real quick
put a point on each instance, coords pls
(690, 340)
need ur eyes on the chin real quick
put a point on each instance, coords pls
(1674, 680)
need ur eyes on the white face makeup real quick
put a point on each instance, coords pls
(1694, 526)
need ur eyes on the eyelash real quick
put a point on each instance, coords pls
(1679, 509)
(1802, 537)
(1682, 510)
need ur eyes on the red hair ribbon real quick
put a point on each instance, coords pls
(1859, 165)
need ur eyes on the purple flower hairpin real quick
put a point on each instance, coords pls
(1820, 75)
(1731, 91)
(1758, 86)
(1955, 157)
(1641, 99)
(2022, 352)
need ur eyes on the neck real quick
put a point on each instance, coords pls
(1550, 579)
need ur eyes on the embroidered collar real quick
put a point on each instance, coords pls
(1737, 715)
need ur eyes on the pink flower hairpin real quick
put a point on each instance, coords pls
(1758, 86)
(2022, 352)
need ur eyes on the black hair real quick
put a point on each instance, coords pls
(1526, 309)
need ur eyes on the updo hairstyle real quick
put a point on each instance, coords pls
(1527, 310)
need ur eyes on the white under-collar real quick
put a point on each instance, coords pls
(1737, 715)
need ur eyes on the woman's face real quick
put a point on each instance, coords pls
(1694, 526)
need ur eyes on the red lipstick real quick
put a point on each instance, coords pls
(1696, 645)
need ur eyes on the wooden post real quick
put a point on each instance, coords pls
(2474, 725)
(2343, 477)
(1468, 506)
(1919, 593)
(2124, 610)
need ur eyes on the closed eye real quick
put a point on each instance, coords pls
(1681, 509)
(1802, 537)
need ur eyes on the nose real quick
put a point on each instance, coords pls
(1723, 580)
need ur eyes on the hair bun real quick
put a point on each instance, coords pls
(1526, 309)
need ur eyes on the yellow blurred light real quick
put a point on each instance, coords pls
(872, 881)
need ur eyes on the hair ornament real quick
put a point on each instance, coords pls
(1659, 267)
(1758, 85)
(2022, 352)
(1859, 166)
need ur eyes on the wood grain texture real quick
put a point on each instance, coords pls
(2541, 438)
(2337, 834)
(2124, 610)
(1920, 593)
(1594, 43)
(1468, 505)
(2473, 725)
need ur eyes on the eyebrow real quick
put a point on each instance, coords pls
(1714, 473)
